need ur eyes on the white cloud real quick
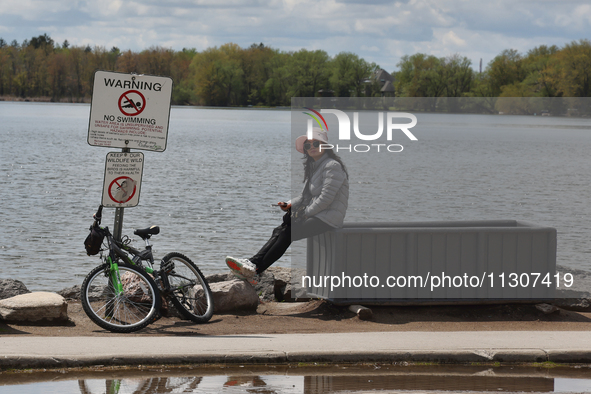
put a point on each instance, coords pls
(379, 30)
(33, 9)
(451, 39)
(370, 49)
(578, 18)
(105, 8)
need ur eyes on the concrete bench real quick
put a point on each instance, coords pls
(432, 261)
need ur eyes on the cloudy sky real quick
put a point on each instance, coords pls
(381, 31)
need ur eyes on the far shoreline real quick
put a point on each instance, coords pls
(44, 99)
(50, 100)
(84, 100)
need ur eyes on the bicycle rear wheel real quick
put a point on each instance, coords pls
(191, 294)
(130, 310)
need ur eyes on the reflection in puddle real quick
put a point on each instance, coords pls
(303, 380)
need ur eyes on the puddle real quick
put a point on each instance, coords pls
(302, 380)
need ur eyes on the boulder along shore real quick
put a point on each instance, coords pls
(269, 308)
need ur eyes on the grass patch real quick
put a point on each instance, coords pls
(314, 365)
(549, 364)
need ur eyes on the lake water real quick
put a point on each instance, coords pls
(211, 190)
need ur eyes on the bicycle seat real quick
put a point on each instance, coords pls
(146, 232)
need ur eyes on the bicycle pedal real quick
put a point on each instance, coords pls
(168, 266)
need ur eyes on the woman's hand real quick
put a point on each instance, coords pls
(284, 206)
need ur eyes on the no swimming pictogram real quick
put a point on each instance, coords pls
(132, 103)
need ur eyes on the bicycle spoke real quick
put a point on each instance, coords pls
(130, 310)
(190, 293)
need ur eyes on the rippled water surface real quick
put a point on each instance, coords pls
(305, 380)
(211, 190)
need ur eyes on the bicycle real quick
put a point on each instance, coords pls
(125, 294)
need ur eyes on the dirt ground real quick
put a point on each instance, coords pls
(320, 316)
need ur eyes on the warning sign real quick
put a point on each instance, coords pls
(123, 178)
(130, 111)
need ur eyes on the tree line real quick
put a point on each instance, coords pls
(544, 71)
(229, 75)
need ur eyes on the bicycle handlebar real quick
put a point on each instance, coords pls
(98, 215)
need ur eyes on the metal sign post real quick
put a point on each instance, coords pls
(118, 224)
(127, 111)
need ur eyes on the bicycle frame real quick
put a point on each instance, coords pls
(119, 250)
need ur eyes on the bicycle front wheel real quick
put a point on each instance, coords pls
(190, 292)
(129, 309)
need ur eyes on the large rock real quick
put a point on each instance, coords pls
(223, 277)
(547, 309)
(574, 304)
(11, 287)
(233, 295)
(70, 293)
(265, 287)
(282, 277)
(282, 274)
(284, 291)
(33, 307)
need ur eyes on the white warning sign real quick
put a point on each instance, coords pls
(130, 111)
(123, 179)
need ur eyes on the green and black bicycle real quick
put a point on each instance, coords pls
(125, 294)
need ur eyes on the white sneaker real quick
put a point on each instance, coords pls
(242, 267)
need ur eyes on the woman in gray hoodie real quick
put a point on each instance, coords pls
(321, 206)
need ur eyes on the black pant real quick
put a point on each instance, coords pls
(282, 237)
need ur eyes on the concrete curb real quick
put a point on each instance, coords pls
(510, 347)
(508, 356)
(569, 357)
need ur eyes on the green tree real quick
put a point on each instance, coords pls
(33, 80)
(307, 72)
(277, 85)
(43, 41)
(4, 69)
(420, 76)
(75, 77)
(538, 79)
(348, 73)
(574, 69)
(217, 75)
(505, 69)
(57, 71)
(456, 74)
(183, 92)
(256, 64)
(156, 61)
(128, 62)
